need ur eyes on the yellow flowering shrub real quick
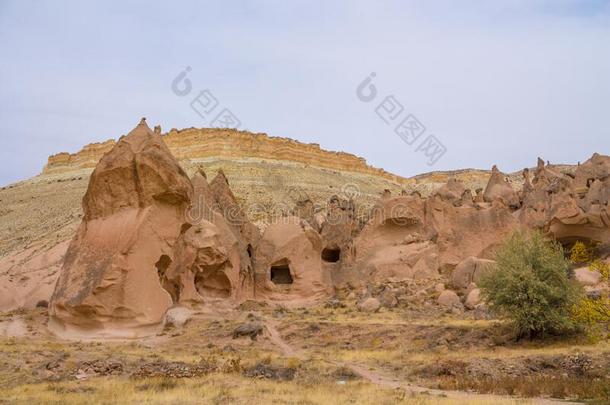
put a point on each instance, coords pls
(594, 316)
(580, 253)
(602, 267)
(591, 311)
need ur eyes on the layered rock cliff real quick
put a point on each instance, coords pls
(193, 144)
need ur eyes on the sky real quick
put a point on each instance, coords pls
(479, 82)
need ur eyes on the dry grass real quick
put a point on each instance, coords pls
(418, 352)
(389, 343)
(596, 390)
(219, 389)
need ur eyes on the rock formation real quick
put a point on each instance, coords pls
(288, 263)
(499, 189)
(337, 230)
(133, 214)
(580, 210)
(213, 256)
(151, 238)
(206, 266)
(396, 242)
(462, 231)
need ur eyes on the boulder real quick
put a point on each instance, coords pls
(369, 305)
(470, 270)
(471, 287)
(587, 277)
(178, 316)
(473, 299)
(251, 328)
(449, 299)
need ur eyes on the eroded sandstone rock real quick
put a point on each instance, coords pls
(498, 188)
(134, 211)
(288, 263)
(468, 271)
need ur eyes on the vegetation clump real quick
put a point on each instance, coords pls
(580, 253)
(529, 285)
(602, 267)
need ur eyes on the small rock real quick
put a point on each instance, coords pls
(449, 299)
(469, 270)
(252, 329)
(439, 287)
(473, 299)
(369, 305)
(178, 316)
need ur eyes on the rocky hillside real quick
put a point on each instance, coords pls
(267, 174)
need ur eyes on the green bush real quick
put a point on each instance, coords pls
(529, 285)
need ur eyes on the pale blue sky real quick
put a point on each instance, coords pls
(498, 82)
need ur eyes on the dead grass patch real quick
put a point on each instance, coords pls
(597, 389)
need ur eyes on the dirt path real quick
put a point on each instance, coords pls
(276, 338)
(379, 379)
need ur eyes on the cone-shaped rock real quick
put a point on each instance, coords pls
(134, 211)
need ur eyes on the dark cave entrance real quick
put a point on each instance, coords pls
(330, 255)
(171, 287)
(280, 273)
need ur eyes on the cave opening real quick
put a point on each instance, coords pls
(280, 273)
(331, 255)
(171, 287)
(213, 283)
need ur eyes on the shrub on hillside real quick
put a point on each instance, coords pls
(602, 267)
(580, 253)
(529, 285)
(594, 315)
